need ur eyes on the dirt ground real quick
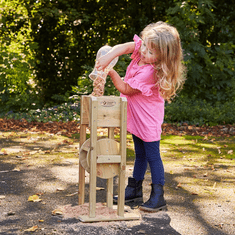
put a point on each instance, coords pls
(39, 195)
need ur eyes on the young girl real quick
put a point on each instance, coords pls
(154, 75)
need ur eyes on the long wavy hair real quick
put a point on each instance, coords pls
(170, 71)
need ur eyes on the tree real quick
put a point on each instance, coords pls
(208, 42)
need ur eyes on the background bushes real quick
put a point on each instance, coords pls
(48, 48)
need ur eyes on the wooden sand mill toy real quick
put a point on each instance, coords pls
(105, 157)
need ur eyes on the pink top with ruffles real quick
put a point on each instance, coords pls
(145, 110)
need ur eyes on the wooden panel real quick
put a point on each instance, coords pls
(93, 154)
(108, 114)
(122, 170)
(81, 189)
(127, 216)
(108, 159)
(84, 113)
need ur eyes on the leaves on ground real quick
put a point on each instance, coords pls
(34, 198)
(57, 212)
(32, 229)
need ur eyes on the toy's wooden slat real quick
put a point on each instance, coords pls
(127, 216)
(92, 180)
(109, 195)
(84, 112)
(81, 189)
(108, 159)
(109, 111)
(123, 130)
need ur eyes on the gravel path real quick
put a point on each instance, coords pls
(206, 207)
(57, 186)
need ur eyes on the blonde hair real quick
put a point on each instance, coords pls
(170, 72)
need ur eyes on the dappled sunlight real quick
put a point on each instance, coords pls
(50, 187)
(67, 174)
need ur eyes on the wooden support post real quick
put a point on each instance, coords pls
(110, 180)
(81, 189)
(92, 179)
(122, 170)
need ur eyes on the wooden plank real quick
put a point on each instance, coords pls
(81, 189)
(84, 112)
(92, 180)
(108, 159)
(127, 216)
(109, 111)
(109, 195)
(110, 192)
(122, 172)
(111, 133)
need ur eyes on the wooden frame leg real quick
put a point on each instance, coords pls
(92, 179)
(110, 193)
(81, 187)
(110, 181)
(122, 171)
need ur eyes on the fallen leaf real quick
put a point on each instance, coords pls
(205, 175)
(16, 169)
(32, 229)
(60, 189)
(3, 152)
(214, 185)
(179, 185)
(72, 194)
(194, 193)
(57, 212)
(34, 198)
(99, 188)
(40, 220)
(142, 231)
(230, 152)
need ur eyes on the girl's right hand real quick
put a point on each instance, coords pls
(103, 62)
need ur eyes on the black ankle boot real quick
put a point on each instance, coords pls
(156, 201)
(133, 191)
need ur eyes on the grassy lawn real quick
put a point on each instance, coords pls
(196, 164)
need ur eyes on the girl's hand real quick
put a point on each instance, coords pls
(117, 50)
(103, 62)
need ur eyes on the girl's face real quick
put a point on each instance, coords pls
(148, 54)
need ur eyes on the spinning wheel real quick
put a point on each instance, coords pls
(108, 157)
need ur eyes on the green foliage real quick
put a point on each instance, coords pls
(48, 49)
(209, 58)
(17, 87)
(69, 33)
(60, 113)
(200, 112)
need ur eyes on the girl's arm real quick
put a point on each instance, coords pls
(121, 86)
(118, 50)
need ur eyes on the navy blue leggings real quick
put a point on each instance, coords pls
(148, 152)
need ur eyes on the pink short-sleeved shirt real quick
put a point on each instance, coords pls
(145, 110)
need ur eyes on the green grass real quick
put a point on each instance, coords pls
(210, 150)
